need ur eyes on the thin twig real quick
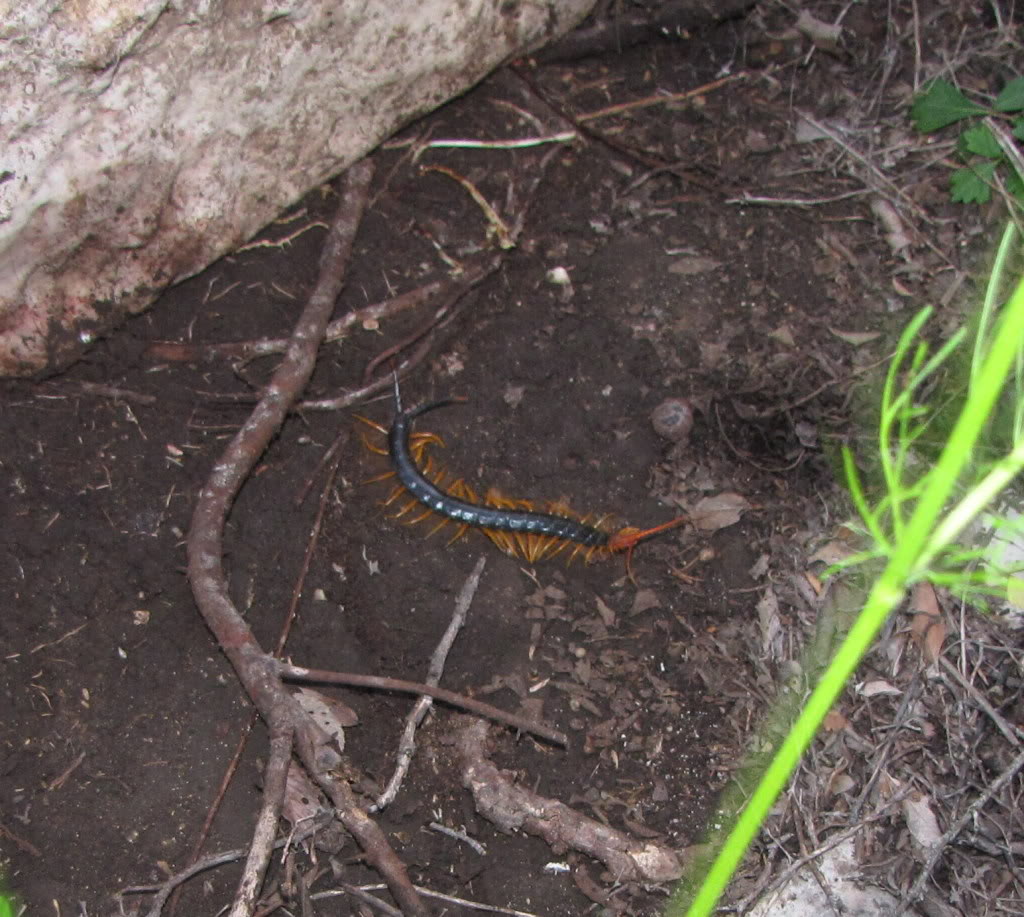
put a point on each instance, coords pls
(172, 883)
(307, 559)
(368, 316)
(780, 880)
(371, 900)
(437, 896)
(262, 845)
(407, 744)
(441, 317)
(1006, 143)
(1010, 732)
(753, 200)
(667, 98)
(380, 683)
(459, 836)
(118, 394)
(356, 396)
(211, 813)
(917, 889)
(518, 144)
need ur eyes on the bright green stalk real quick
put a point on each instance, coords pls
(917, 545)
(990, 302)
(983, 493)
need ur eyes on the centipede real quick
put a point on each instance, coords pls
(518, 527)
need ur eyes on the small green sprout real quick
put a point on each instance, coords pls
(942, 104)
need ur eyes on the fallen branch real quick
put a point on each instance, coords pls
(368, 316)
(512, 807)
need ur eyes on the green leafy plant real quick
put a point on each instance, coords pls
(914, 528)
(942, 104)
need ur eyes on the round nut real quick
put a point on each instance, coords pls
(673, 419)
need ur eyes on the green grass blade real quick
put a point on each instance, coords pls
(923, 537)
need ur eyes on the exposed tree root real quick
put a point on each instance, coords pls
(258, 671)
(512, 807)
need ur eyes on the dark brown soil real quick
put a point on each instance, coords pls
(120, 712)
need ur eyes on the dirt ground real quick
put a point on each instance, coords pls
(120, 712)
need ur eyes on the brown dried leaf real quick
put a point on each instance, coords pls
(770, 623)
(922, 823)
(824, 35)
(582, 671)
(607, 614)
(693, 264)
(831, 553)
(713, 354)
(644, 600)
(720, 511)
(329, 713)
(834, 721)
(927, 627)
(784, 335)
(639, 829)
(593, 627)
(302, 800)
(840, 782)
(877, 686)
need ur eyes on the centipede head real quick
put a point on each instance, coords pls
(625, 540)
(418, 444)
(399, 504)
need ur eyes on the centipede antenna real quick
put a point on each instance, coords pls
(398, 393)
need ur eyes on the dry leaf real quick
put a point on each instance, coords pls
(719, 512)
(824, 35)
(302, 800)
(834, 721)
(855, 337)
(831, 553)
(922, 823)
(607, 614)
(770, 623)
(713, 353)
(693, 264)
(645, 599)
(840, 782)
(927, 627)
(878, 686)
(895, 232)
(784, 335)
(888, 786)
(331, 715)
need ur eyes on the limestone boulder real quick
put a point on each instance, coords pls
(142, 139)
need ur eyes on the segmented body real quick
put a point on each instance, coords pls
(494, 520)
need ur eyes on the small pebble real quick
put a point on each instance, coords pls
(673, 419)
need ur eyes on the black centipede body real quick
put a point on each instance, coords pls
(544, 525)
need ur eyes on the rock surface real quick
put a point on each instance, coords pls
(142, 139)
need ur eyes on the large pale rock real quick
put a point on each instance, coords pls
(142, 139)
